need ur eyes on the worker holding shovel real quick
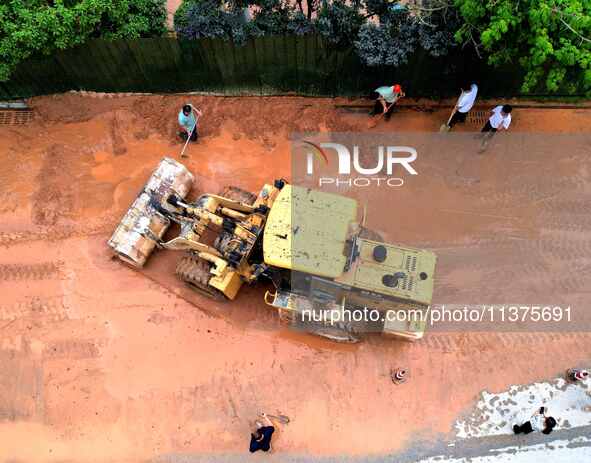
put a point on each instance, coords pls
(499, 120)
(387, 98)
(462, 107)
(260, 439)
(188, 124)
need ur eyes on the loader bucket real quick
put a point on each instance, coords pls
(136, 235)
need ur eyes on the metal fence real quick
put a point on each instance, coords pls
(305, 65)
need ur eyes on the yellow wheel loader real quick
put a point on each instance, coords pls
(331, 276)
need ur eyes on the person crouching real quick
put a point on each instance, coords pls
(188, 122)
(538, 422)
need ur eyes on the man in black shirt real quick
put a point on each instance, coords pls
(261, 438)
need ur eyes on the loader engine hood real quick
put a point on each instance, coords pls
(392, 270)
(306, 231)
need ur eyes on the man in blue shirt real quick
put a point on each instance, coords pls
(386, 98)
(188, 122)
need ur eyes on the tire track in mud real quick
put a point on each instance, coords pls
(566, 212)
(556, 264)
(55, 196)
(9, 202)
(40, 271)
(528, 191)
(104, 227)
(74, 349)
(567, 221)
(22, 393)
(118, 142)
(62, 186)
(454, 342)
(43, 311)
(563, 202)
(558, 261)
(559, 245)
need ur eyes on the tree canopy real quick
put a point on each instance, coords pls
(29, 27)
(401, 31)
(549, 39)
(383, 32)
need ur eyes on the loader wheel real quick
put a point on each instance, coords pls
(194, 271)
(368, 234)
(238, 194)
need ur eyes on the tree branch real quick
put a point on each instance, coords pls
(300, 6)
(443, 5)
(569, 27)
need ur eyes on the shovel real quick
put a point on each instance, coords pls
(376, 119)
(283, 419)
(445, 127)
(190, 133)
(183, 155)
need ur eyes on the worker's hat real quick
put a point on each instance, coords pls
(397, 88)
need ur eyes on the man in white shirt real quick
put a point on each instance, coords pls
(500, 119)
(464, 104)
(538, 422)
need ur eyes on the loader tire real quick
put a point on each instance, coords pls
(194, 271)
(238, 194)
(368, 234)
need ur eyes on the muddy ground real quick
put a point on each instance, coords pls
(103, 363)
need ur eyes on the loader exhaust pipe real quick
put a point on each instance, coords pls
(143, 225)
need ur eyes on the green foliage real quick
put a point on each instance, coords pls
(28, 27)
(383, 31)
(339, 22)
(211, 18)
(181, 15)
(400, 32)
(232, 20)
(388, 43)
(279, 17)
(549, 39)
(271, 17)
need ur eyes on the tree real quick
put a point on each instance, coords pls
(211, 18)
(278, 17)
(400, 31)
(339, 22)
(308, 8)
(549, 39)
(387, 43)
(28, 27)
(239, 19)
(383, 32)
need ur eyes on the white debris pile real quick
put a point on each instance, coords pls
(495, 414)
